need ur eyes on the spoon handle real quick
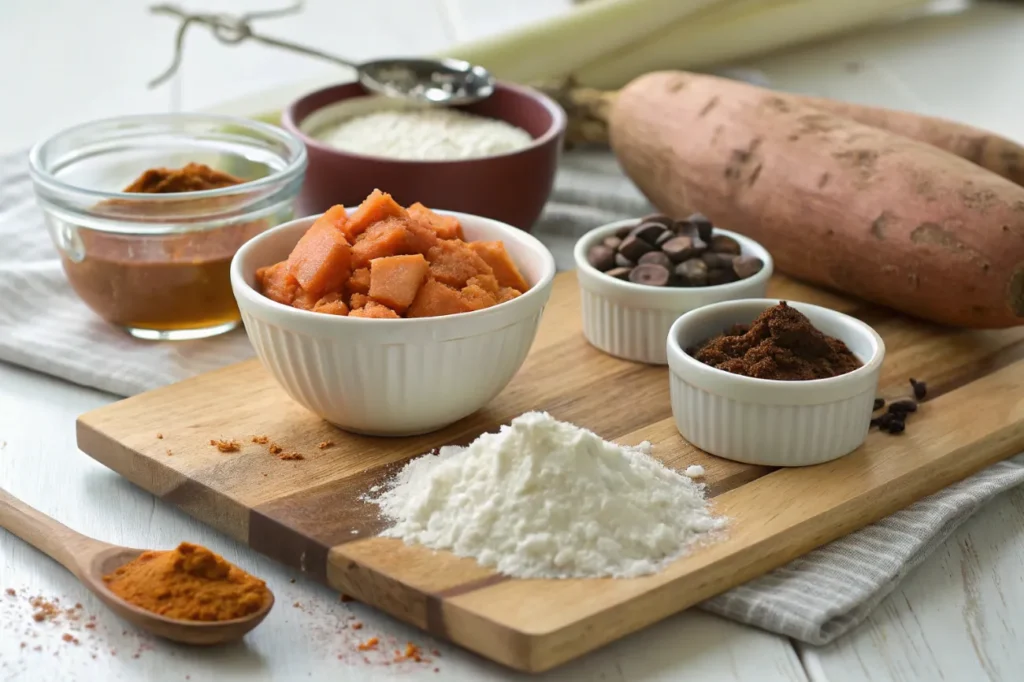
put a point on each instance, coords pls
(49, 536)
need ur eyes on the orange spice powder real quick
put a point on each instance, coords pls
(188, 583)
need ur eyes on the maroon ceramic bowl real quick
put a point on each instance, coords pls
(512, 188)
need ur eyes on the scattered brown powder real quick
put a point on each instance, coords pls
(10, 592)
(260, 440)
(412, 653)
(169, 453)
(275, 449)
(160, 436)
(357, 625)
(70, 639)
(290, 456)
(326, 444)
(369, 644)
(226, 445)
(45, 609)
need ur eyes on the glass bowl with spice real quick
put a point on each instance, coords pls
(773, 383)
(147, 212)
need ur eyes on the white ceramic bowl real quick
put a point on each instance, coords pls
(393, 377)
(773, 423)
(631, 321)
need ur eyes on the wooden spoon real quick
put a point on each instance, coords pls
(89, 560)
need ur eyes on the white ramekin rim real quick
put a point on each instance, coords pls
(663, 298)
(767, 391)
(401, 331)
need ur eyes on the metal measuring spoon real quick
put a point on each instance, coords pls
(429, 81)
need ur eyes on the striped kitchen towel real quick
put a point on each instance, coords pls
(813, 599)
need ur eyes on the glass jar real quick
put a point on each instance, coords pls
(157, 264)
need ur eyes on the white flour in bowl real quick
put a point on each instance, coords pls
(546, 499)
(424, 135)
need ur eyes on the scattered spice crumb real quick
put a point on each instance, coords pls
(275, 449)
(357, 625)
(160, 436)
(369, 644)
(412, 653)
(297, 605)
(326, 444)
(290, 457)
(292, 581)
(90, 626)
(10, 592)
(169, 453)
(226, 445)
(260, 440)
(920, 389)
(24, 644)
(437, 670)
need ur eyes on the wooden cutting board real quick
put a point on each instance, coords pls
(307, 513)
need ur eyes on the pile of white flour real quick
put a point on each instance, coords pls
(546, 499)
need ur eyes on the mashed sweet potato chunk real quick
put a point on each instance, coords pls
(387, 262)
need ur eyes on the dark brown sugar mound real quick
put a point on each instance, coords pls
(781, 344)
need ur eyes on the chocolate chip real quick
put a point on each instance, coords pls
(633, 247)
(612, 242)
(920, 388)
(902, 407)
(665, 236)
(657, 258)
(601, 257)
(896, 427)
(723, 244)
(879, 404)
(649, 232)
(659, 218)
(702, 225)
(718, 260)
(720, 276)
(692, 273)
(650, 274)
(624, 231)
(746, 266)
(623, 262)
(680, 249)
(619, 273)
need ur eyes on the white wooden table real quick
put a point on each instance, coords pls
(958, 617)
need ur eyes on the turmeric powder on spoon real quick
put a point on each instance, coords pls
(188, 583)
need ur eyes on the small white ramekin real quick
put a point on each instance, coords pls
(772, 423)
(631, 321)
(393, 377)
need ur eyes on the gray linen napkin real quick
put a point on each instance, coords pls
(814, 599)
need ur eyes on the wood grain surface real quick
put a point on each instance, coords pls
(307, 514)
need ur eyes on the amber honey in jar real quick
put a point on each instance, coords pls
(147, 213)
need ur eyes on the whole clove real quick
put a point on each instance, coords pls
(902, 407)
(920, 389)
(879, 404)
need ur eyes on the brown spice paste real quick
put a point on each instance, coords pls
(780, 344)
(171, 282)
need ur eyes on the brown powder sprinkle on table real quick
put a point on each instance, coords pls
(160, 436)
(782, 345)
(10, 592)
(369, 644)
(260, 440)
(326, 444)
(226, 445)
(290, 457)
(275, 449)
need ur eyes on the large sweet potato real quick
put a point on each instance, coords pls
(837, 203)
